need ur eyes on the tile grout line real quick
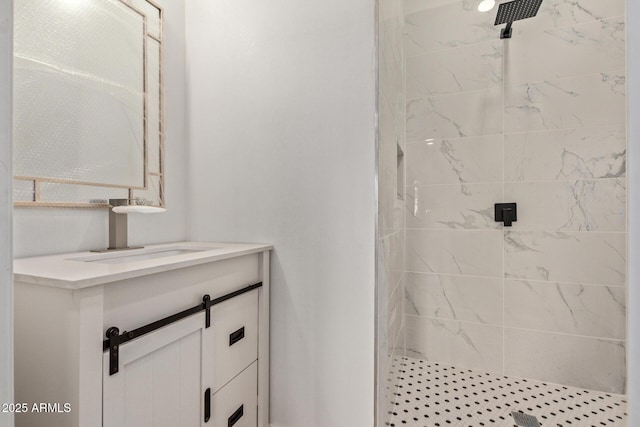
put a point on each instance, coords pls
(541, 331)
(531, 34)
(516, 182)
(533, 131)
(405, 164)
(505, 86)
(519, 279)
(528, 230)
(516, 279)
(504, 89)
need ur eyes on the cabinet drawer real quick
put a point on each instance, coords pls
(235, 337)
(236, 404)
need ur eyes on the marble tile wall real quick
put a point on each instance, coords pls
(538, 120)
(390, 244)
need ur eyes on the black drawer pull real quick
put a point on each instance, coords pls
(207, 405)
(236, 416)
(236, 336)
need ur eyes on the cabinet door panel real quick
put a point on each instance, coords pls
(160, 378)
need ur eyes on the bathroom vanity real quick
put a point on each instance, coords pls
(169, 335)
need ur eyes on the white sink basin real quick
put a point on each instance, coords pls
(136, 255)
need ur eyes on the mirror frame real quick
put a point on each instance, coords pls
(131, 190)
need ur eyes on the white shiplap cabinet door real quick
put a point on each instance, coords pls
(161, 378)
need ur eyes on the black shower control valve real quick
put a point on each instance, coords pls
(506, 213)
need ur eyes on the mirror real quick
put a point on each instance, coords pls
(87, 102)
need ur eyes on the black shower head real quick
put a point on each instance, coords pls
(514, 11)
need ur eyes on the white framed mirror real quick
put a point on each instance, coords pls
(88, 102)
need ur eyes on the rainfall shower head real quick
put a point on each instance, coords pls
(514, 11)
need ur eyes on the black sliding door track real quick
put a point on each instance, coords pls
(115, 339)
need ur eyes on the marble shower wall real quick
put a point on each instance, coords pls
(390, 244)
(539, 120)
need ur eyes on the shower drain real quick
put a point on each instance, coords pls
(524, 420)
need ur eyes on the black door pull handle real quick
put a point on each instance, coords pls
(207, 405)
(236, 416)
(236, 336)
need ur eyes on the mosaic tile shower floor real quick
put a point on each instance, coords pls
(434, 395)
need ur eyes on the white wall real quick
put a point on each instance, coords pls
(6, 259)
(633, 164)
(281, 130)
(39, 231)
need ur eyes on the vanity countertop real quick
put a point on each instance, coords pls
(85, 269)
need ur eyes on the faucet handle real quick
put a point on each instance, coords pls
(126, 209)
(123, 206)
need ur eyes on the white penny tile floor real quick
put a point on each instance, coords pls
(434, 395)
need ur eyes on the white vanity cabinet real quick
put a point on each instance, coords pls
(191, 361)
